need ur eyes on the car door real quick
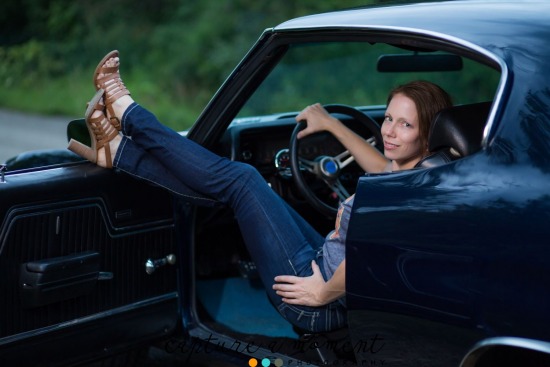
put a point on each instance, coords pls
(74, 243)
(405, 269)
(442, 258)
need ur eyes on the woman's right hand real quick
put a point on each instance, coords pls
(310, 291)
(317, 118)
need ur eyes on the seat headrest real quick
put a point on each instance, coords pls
(459, 128)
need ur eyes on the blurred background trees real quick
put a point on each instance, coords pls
(174, 53)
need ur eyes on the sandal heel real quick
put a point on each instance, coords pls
(83, 150)
(101, 132)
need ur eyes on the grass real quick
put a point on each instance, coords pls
(67, 96)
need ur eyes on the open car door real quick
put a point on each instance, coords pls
(437, 262)
(85, 263)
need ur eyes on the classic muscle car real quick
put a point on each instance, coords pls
(88, 271)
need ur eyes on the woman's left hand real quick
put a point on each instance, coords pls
(305, 291)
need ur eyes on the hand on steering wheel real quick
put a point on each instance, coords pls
(326, 168)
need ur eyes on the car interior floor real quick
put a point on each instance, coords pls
(228, 289)
(230, 295)
(241, 305)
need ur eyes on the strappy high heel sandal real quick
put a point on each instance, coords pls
(101, 132)
(112, 84)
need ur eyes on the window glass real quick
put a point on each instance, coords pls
(346, 73)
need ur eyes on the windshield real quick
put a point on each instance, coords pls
(346, 73)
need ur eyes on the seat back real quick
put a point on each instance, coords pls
(456, 132)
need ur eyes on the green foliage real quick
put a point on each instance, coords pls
(174, 53)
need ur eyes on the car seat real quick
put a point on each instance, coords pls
(456, 133)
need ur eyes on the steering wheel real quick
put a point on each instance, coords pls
(326, 168)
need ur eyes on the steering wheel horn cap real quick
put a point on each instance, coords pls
(329, 167)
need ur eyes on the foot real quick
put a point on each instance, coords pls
(117, 97)
(105, 139)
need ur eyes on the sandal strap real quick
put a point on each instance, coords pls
(113, 86)
(105, 70)
(103, 131)
(101, 128)
(114, 89)
(102, 69)
(99, 106)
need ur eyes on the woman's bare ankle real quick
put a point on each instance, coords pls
(121, 105)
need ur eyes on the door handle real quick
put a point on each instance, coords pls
(152, 265)
(57, 279)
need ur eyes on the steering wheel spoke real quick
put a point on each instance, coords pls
(339, 189)
(345, 158)
(308, 165)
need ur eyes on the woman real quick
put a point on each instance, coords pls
(304, 273)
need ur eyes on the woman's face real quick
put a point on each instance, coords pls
(401, 133)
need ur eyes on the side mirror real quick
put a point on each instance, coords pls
(77, 130)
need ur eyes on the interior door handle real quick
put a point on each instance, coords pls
(152, 265)
(59, 278)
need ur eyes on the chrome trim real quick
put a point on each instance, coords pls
(3, 169)
(507, 341)
(91, 318)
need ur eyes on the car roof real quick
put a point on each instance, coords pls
(492, 25)
(513, 33)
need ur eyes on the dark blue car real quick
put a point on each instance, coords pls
(448, 264)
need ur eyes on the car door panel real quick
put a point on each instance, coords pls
(446, 248)
(73, 245)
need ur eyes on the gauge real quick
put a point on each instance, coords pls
(282, 163)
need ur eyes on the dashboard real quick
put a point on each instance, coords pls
(263, 142)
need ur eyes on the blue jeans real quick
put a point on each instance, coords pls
(278, 239)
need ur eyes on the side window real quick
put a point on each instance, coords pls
(361, 74)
